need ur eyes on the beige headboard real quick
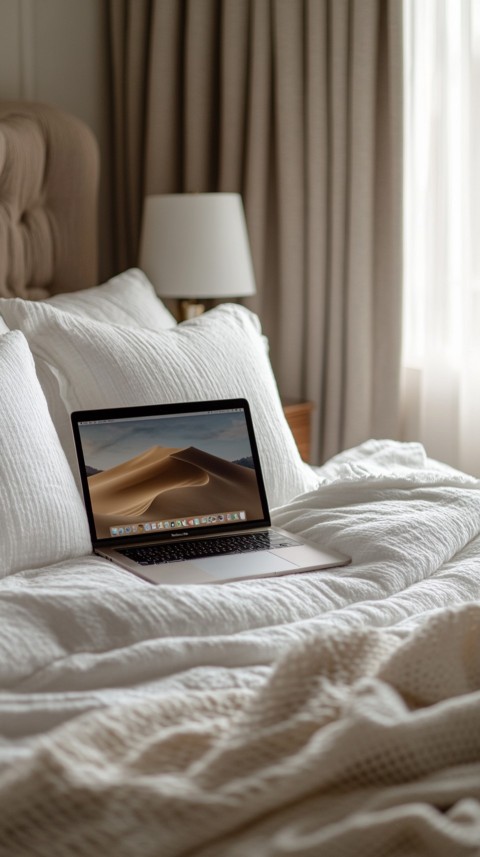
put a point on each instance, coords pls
(49, 173)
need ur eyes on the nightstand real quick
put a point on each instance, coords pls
(299, 418)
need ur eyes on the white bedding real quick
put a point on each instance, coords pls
(185, 747)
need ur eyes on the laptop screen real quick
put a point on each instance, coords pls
(169, 471)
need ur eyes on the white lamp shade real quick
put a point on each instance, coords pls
(196, 246)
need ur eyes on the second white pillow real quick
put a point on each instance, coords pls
(218, 355)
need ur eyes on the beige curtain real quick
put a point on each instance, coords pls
(297, 105)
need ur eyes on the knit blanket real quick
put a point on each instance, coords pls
(358, 743)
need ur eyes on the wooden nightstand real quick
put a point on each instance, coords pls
(299, 418)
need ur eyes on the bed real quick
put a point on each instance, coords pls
(331, 713)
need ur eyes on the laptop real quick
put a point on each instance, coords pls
(175, 494)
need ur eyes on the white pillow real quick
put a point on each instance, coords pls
(42, 517)
(128, 299)
(220, 354)
(3, 326)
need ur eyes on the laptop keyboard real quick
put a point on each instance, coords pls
(179, 551)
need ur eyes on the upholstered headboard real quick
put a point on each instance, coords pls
(49, 173)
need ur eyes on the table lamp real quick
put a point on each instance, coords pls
(195, 247)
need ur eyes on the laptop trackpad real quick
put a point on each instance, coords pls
(244, 565)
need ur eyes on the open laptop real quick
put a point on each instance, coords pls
(175, 494)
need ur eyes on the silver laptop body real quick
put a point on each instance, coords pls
(175, 494)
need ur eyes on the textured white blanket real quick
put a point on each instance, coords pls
(358, 743)
(323, 714)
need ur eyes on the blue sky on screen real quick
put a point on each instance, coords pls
(223, 434)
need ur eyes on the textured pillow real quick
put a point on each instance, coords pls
(41, 514)
(127, 299)
(218, 355)
(3, 326)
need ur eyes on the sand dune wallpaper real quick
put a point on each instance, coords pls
(164, 480)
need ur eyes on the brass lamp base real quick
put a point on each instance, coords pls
(190, 309)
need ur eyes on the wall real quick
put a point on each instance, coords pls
(54, 51)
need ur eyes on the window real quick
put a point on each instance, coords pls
(441, 355)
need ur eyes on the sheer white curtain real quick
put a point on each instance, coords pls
(441, 356)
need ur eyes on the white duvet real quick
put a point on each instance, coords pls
(331, 713)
